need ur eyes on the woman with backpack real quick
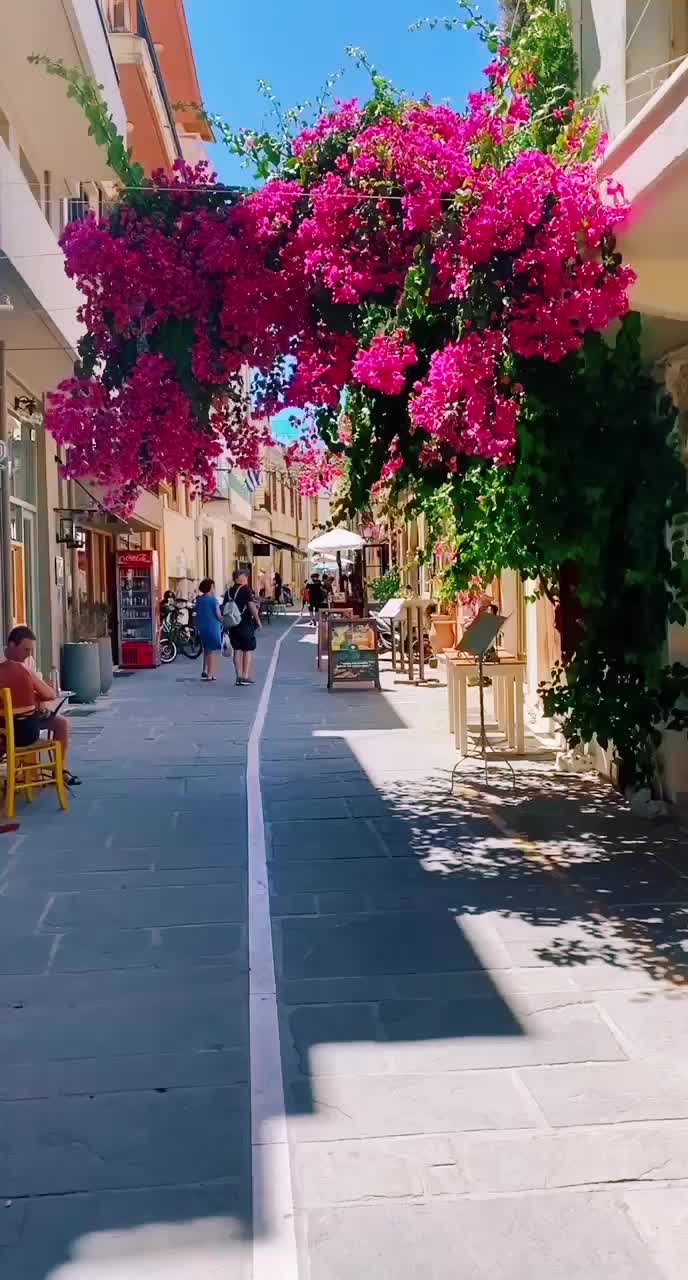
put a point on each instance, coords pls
(241, 617)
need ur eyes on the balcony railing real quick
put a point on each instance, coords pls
(129, 16)
(641, 87)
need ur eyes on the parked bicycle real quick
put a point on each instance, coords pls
(178, 634)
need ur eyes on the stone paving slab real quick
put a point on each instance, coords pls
(580, 1157)
(188, 1232)
(488, 1240)
(334, 1107)
(123, 1140)
(601, 1094)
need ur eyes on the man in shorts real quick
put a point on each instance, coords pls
(29, 693)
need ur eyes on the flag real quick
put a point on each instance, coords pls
(253, 480)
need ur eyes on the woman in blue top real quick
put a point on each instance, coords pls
(209, 627)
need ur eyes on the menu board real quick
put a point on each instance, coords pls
(323, 627)
(352, 652)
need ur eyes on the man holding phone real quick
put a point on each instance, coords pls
(29, 696)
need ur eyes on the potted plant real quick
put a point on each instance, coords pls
(443, 629)
(87, 658)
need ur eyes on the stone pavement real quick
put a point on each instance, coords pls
(483, 1013)
(484, 1022)
(125, 1120)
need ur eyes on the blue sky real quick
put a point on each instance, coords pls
(296, 44)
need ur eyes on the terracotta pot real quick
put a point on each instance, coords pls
(442, 633)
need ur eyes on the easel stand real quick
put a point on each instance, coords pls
(477, 640)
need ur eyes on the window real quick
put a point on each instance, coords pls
(48, 197)
(34, 184)
(274, 491)
(22, 451)
(118, 15)
(291, 498)
(207, 555)
(75, 209)
(300, 507)
(283, 503)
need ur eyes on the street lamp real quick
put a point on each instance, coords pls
(70, 534)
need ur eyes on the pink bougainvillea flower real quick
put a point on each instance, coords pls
(384, 363)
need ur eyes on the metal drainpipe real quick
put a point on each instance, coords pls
(5, 517)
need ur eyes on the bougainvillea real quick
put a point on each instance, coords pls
(400, 246)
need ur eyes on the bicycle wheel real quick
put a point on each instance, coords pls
(190, 644)
(168, 651)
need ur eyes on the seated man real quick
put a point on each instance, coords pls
(29, 693)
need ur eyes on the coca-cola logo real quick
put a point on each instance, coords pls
(131, 558)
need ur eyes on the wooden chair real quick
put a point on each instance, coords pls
(39, 765)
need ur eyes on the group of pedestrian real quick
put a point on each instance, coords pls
(236, 619)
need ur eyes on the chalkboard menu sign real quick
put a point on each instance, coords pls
(352, 654)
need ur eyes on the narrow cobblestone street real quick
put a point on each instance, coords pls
(482, 1002)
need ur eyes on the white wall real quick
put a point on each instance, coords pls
(599, 35)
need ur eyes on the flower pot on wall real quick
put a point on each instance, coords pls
(81, 670)
(442, 633)
(105, 659)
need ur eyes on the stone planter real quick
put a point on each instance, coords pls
(442, 632)
(81, 670)
(105, 658)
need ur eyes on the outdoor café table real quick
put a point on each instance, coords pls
(507, 676)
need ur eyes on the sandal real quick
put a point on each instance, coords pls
(71, 779)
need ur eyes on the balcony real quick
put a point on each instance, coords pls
(154, 139)
(650, 158)
(34, 266)
(642, 86)
(53, 126)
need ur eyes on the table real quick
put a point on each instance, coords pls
(508, 678)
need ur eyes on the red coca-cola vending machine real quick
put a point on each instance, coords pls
(137, 608)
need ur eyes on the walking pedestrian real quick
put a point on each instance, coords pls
(316, 597)
(277, 588)
(209, 627)
(243, 635)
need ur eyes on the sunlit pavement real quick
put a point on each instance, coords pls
(482, 1012)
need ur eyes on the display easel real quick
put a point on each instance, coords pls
(477, 640)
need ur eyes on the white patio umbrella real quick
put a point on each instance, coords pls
(337, 540)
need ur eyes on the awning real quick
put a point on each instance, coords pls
(264, 537)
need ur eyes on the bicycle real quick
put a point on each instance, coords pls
(181, 636)
(167, 650)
